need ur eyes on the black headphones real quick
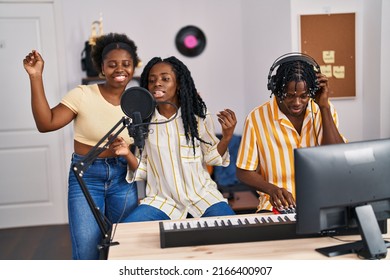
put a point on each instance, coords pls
(293, 56)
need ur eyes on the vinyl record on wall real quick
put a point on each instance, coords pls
(190, 41)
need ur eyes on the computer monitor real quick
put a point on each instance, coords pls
(343, 186)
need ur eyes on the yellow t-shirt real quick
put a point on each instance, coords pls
(95, 116)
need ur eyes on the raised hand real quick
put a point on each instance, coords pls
(228, 121)
(33, 63)
(322, 95)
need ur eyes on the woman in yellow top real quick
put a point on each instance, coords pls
(95, 109)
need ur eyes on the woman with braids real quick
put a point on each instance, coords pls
(95, 109)
(173, 162)
(299, 115)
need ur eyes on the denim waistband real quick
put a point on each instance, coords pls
(108, 160)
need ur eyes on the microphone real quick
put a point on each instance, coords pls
(138, 99)
(138, 131)
(138, 104)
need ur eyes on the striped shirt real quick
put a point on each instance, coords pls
(269, 140)
(177, 181)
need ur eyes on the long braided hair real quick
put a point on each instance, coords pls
(297, 71)
(190, 102)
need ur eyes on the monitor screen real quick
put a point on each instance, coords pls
(344, 186)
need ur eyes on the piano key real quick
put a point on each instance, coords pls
(235, 222)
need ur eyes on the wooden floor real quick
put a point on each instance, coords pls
(36, 243)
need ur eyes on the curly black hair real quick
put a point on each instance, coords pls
(103, 41)
(297, 71)
(190, 101)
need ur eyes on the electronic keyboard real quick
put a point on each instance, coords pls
(235, 229)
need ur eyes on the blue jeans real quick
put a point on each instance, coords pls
(146, 212)
(111, 193)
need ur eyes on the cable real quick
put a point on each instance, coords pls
(167, 121)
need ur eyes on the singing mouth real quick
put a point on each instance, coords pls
(158, 94)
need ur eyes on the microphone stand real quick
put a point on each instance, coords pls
(80, 167)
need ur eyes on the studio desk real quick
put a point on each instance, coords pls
(143, 241)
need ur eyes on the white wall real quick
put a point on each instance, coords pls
(371, 68)
(385, 70)
(153, 24)
(243, 39)
(266, 35)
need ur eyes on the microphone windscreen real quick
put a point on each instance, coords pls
(138, 99)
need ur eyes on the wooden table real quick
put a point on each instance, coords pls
(141, 241)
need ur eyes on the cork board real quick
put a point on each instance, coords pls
(330, 40)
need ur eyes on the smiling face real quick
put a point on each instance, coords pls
(162, 83)
(118, 68)
(296, 100)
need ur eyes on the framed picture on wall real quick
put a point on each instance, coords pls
(330, 40)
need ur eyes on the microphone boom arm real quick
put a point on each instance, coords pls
(80, 167)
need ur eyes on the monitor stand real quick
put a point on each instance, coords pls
(348, 248)
(372, 246)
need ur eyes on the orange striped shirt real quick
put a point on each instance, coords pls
(269, 140)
